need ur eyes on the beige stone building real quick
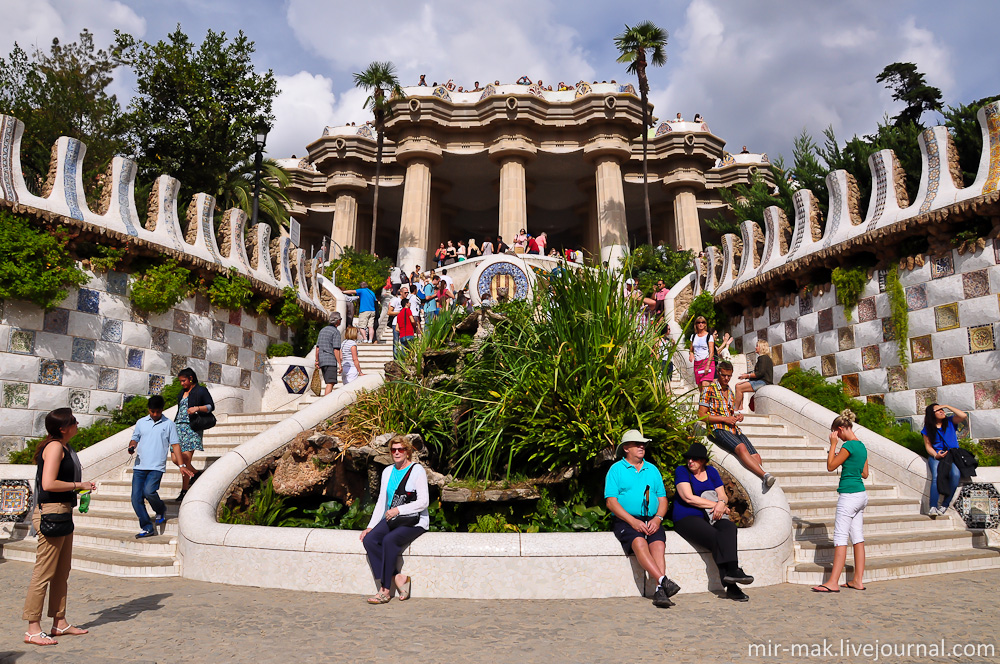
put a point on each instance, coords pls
(461, 165)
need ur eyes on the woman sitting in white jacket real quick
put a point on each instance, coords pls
(385, 540)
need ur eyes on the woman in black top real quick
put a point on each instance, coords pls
(55, 488)
(763, 374)
(195, 399)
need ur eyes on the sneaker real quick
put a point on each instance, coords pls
(934, 511)
(769, 480)
(670, 588)
(160, 519)
(739, 576)
(660, 599)
(145, 533)
(734, 593)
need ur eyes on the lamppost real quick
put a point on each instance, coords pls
(259, 139)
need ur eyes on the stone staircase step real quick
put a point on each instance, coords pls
(780, 440)
(763, 429)
(124, 521)
(828, 491)
(817, 508)
(109, 539)
(240, 418)
(780, 466)
(822, 527)
(793, 450)
(124, 488)
(892, 544)
(223, 429)
(903, 566)
(101, 561)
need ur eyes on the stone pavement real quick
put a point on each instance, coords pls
(177, 620)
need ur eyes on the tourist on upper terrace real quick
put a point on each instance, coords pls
(678, 118)
(328, 351)
(154, 438)
(501, 246)
(716, 408)
(940, 437)
(763, 374)
(701, 354)
(524, 80)
(698, 118)
(440, 255)
(542, 240)
(722, 351)
(744, 150)
(476, 87)
(635, 495)
(563, 87)
(533, 247)
(462, 252)
(521, 242)
(450, 85)
(496, 82)
(195, 403)
(450, 254)
(57, 479)
(365, 320)
(400, 517)
(852, 459)
(423, 80)
(701, 516)
(350, 364)
(473, 250)
(487, 248)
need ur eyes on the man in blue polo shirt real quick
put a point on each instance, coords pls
(154, 437)
(634, 493)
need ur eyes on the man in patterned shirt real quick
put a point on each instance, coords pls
(716, 408)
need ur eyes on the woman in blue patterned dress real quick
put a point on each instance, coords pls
(195, 399)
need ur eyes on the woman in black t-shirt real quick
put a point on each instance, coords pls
(763, 374)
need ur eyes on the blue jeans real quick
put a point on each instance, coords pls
(954, 478)
(145, 484)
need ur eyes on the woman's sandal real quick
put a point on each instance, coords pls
(824, 589)
(48, 640)
(404, 591)
(379, 598)
(64, 631)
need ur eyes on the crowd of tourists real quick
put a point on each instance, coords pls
(524, 243)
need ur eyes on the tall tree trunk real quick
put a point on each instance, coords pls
(378, 170)
(645, 167)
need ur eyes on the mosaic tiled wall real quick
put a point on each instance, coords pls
(94, 349)
(954, 309)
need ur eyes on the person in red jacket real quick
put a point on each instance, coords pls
(406, 324)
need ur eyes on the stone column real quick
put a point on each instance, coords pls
(513, 198)
(345, 219)
(612, 229)
(414, 222)
(686, 222)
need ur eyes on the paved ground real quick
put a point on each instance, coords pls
(176, 620)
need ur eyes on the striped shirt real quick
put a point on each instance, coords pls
(719, 401)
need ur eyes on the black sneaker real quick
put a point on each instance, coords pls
(660, 599)
(669, 587)
(739, 576)
(180, 496)
(733, 592)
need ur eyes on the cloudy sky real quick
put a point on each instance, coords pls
(758, 71)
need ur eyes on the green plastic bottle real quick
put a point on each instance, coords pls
(84, 501)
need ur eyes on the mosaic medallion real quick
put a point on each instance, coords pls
(876, 399)
(808, 347)
(235, 316)
(117, 283)
(182, 321)
(79, 401)
(214, 372)
(156, 383)
(107, 379)
(888, 330)
(50, 372)
(981, 339)
(56, 321)
(15, 499)
(845, 338)
(218, 330)
(866, 309)
(134, 360)
(247, 339)
(921, 348)
(828, 364)
(201, 304)
(870, 357)
(111, 330)
(776, 355)
(979, 505)
(774, 314)
(851, 387)
(22, 342)
(791, 330)
(975, 284)
(987, 394)
(245, 379)
(88, 301)
(942, 266)
(916, 297)
(946, 317)
(199, 348)
(232, 355)
(259, 360)
(159, 339)
(925, 397)
(793, 366)
(503, 275)
(805, 304)
(825, 320)
(952, 371)
(83, 350)
(15, 395)
(177, 363)
(296, 379)
(896, 377)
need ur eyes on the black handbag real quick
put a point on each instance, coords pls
(56, 525)
(401, 497)
(201, 421)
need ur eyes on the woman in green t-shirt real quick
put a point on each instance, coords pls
(852, 459)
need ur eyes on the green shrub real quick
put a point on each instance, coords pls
(493, 523)
(305, 338)
(704, 305)
(647, 265)
(850, 284)
(401, 408)
(290, 314)
(266, 508)
(280, 350)
(35, 264)
(982, 456)
(107, 258)
(232, 292)
(161, 287)
(899, 312)
(353, 267)
(553, 517)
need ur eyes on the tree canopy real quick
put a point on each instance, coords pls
(910, 87)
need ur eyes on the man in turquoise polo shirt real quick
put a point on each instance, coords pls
(634, 493)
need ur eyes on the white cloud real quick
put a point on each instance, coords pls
(932, 58)
(303, 107)
(45, 20)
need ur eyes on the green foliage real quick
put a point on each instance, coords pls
(353, 267)
(439, 521)
(305, 338)
(266, 508)
(749, 203)
(704, 305)
(808, 172)
(272, 204)
(403, 408)
(334, 514)
(196, 107)
(873, 416)
(35, 265)
(554, 517)
(290, 314)
(232, 292)
(974, 228)
(964, 126)
(280, 350)
(984, 457)
(910, 87)
(648, 264)
(493, 523)
(850, 284)
(107, 258)
(899, 313)
(161, 287)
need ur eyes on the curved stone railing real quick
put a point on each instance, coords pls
(272, 264)
(466, 565)
(782, 243)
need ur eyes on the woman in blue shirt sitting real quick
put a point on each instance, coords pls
(940, 435)
(701, 516)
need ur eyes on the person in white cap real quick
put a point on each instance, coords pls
(634, 493)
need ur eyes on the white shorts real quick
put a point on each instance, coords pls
(850, 518)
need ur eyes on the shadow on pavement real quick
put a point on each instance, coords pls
(8, 657)
(126, 611)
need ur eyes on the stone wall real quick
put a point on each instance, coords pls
(952, 340)
(94, 349)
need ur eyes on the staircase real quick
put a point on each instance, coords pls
(899, 541)
(374, 356)
(104, 538)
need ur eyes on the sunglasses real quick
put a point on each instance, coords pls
(398, 449)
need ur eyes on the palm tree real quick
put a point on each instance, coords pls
(380, 79)
(237, 191)
(633, 44)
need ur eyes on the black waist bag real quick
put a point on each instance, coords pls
(56, 525)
